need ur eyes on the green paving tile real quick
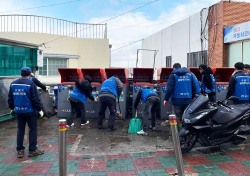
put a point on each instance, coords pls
(124, 164)
(10, 169)
(68, 146)
(52, 140)
(217, 158)
(2, 157)
(87, 157)
(168, 161)
(156, 172)
(214, 173)
(142, 155)
(246, 163)
(92, 174)
(72, 167)
(47, 156)
(209, 169)
(248, 151)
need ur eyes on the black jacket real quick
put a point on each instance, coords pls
(38, 83)
(86, 88)
(207, 78)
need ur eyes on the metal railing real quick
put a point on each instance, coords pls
(48, 25)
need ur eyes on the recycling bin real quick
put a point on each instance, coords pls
(142, 79)
(68, 78)
(122, 74)
(98, 76)
(163, 75)
(222, 77)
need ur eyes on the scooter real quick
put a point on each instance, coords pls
(214, 124)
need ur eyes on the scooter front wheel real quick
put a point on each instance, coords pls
(187, 142)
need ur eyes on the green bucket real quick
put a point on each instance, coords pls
(134, 125)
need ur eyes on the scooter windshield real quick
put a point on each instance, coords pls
(197, 103)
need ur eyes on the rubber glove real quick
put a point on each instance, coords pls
(41, 113)
(12, 112)
(165, 103)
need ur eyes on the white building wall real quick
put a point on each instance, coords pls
(166, 45)
(180, 42)
(176, 40)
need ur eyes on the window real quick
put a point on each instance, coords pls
(13, 58)
(168, 61)
(196, 58)
(51, 65)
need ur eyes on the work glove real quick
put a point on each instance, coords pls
(96, 99)
(47, 88)
(12, 112)
(40, 113)
(165, 103)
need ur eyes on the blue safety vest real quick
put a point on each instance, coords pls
(76, 94)
(109, 85)
(242, 87)
(183, 86)
(21, 96)
(205, 89)
(146, 93)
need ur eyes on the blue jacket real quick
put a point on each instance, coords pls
(146, 93)
(239, 85)
(143, 95)
(110, 85)
(181, 87)
(23, 96)
(242, 87)
(78, 95)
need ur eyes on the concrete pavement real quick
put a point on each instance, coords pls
(94, 152)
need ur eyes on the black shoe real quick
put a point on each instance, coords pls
(100, 127)
(35, 153)
(110, 129)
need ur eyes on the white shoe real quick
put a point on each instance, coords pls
(142, 133)
(72, 124)
(85, 123)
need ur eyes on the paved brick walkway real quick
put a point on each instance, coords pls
(235, 162)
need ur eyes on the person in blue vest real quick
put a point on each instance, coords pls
(181, 87)
(151, 105)
(38, 83)
(239, 84)
(24, 101)
(110, 90)
(208, 84)
(77, 98)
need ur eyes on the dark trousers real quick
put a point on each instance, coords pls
(179, 110)
(31, 120)
(150, 109)
(77, 108)
(212, 97)
(107, 101)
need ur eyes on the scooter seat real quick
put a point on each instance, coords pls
(224, 116)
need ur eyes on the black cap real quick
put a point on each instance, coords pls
(25, 71)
